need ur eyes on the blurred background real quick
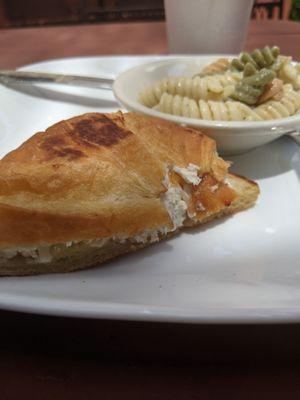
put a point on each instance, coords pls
(22, 13)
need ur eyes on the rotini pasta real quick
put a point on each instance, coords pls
(250, 89)
(218, 66)
(273, 90)
(214, 87)
(287, 106)
(290, 73)
(258, 59)
(256, 86)
(208, 110)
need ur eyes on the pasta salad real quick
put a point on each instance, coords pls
(256, 86)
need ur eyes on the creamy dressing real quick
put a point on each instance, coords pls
(46, 253)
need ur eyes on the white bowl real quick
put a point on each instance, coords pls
(232, 137)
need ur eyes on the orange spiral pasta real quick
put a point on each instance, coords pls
(288, 105)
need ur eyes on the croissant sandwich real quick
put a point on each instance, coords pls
(100, 185)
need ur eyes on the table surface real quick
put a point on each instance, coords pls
(60, 358)
(24, 46)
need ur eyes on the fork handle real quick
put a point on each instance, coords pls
(7, 76)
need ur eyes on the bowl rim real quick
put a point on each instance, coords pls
(124, 99)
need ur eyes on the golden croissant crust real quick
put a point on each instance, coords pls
(101, 175)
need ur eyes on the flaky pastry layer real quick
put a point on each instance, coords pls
(101, 175)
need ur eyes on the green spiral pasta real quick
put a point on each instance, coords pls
(207, 110)
(251, 87)
(251, 63)
(215, 87)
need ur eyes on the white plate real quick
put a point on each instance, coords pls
(242, 269)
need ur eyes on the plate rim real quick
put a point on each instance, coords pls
(142, 313)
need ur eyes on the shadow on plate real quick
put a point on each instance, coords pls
(195, 230)
(50, 94)
(128, 262)
(273, 159)
(132, 260)
(136, 259)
